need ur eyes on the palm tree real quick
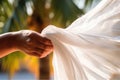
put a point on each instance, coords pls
(15, 16)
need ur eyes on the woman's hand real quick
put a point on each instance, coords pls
(32, 43)
(27, 41)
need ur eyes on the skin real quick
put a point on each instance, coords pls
(27, 41)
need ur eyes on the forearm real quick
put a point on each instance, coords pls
(6, 43)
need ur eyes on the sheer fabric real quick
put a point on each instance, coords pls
(88, 49)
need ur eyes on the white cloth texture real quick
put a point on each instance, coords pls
(88, 49)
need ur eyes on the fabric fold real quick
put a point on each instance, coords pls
(88, 49)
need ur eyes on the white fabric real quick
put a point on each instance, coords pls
(89, 49)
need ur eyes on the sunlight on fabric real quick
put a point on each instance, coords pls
(88, 65)
(89, 49)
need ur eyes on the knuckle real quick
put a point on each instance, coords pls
(48, 47)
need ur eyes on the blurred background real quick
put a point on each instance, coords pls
(35, 15)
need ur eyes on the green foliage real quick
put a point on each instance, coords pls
(17, 20)
(88, 4)
(5, 12)
(11, 62)
(65, 11)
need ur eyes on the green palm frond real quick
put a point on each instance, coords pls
(88, 4)
(17, 20)
(5, 12)
(6, 8)
(65, 11)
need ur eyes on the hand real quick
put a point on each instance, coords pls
(33, 43)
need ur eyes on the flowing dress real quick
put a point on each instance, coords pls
(88, 49)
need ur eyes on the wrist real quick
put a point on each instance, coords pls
(20, 39)
(8, 41)
(15, 40)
